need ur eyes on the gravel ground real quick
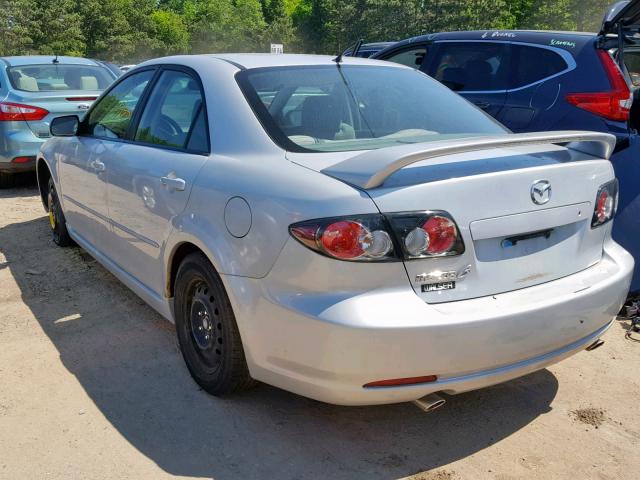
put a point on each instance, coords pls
(92, 386)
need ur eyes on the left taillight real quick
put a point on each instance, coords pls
(382, 237)
(18, 112)
(606, 204)
(363, 238)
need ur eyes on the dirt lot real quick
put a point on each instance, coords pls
(92, 386)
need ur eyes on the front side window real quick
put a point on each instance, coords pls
(174, 115)
(532, 64)
(111, 116)
(59, 77)
(330, 108)
(471, 66)
(412, 57)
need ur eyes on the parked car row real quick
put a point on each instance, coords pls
(349, 230)
(354, 231)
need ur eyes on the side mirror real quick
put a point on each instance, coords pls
(66, 126)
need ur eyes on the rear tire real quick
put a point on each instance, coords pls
(58, 224)
(207, 330)
(7, 180)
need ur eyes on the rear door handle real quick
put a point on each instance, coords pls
(482, 105)
(172, 181)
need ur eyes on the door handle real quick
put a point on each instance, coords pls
(482, 105)
(98, 166)
(172, 181)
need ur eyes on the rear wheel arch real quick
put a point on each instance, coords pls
(179, 253)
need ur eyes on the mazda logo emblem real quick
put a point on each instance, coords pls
(541, 192)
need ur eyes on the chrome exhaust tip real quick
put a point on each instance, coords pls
(430, 402)
(597, 344)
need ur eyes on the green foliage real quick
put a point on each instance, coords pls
(132, 30)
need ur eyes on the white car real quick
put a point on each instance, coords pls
(345, 229)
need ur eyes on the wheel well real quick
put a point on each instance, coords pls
(43, 180)
(179, 254)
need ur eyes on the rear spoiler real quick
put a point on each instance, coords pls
(371, 169)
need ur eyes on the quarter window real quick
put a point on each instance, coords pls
(532, 64)
(174, 115)
(472, 66)
(111, 116)
(411, 58)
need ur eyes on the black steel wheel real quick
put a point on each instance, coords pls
(207, 330)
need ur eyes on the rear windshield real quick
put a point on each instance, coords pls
(331, 109)
(50, 77)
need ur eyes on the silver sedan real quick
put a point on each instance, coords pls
(345, 229)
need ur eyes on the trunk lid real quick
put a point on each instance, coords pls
(510, 241)
(622, 15)
(72, 102)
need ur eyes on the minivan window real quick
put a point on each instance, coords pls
(59, 77)
(471, 66)
(330, 108)
(172, 110)
(632, 62)
(412, 57)
(111, 116)
(532, 64)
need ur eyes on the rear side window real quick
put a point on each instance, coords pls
(174, 114)
(111, 116)
(412, 57)
(59, 77)
(471, 66)
(532, 64)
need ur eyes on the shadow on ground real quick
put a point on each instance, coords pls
(126, 358)
(24, 184)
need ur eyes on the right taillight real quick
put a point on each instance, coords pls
(376, 238)
(614, 104)
(606, 204)
(427, 234)
(18, 112)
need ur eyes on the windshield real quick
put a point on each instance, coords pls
(331, 109)
(52, 77)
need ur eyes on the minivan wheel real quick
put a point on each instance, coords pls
(57, 222)
(207, 330)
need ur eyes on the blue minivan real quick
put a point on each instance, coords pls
(544, 80)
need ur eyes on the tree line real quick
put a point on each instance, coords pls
(127, 31)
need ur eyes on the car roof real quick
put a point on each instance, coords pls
(45, 59)
(526, 36)
(377, 44)
(260, 60)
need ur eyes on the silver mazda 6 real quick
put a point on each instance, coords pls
(345, 229)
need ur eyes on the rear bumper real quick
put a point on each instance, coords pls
(327, 346)
(10, 167)
(18, 141)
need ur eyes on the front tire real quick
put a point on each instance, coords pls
(57, 222)
(207, 330)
